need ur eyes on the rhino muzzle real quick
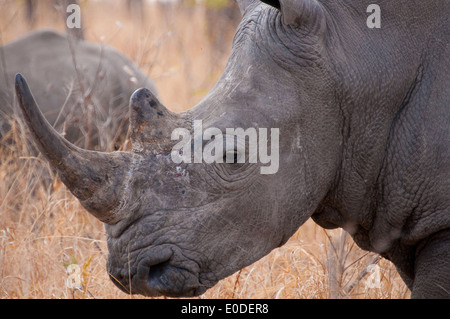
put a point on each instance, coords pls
(164, 272)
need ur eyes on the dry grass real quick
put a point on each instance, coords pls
(46, 236)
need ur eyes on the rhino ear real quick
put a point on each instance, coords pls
(273, 3)
(298, 13)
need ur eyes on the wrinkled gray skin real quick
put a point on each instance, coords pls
(107, 77)
(364, 145)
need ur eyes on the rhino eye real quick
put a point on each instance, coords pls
(231, 155)
(235, 172)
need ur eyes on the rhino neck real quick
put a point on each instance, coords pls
(376, 71)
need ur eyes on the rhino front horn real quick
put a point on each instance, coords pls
(93, 177)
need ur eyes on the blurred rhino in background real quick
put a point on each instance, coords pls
(86, 86)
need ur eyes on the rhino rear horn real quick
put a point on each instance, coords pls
(151, 123)
(93, 177)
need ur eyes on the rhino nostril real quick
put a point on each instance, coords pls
(157, 275)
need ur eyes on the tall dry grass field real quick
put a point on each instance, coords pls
(51, 248)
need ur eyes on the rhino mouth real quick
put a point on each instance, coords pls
(162, 274)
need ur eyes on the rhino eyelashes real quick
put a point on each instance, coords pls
(213, 146)
(234, 155)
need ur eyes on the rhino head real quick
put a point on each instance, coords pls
(176, 229)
